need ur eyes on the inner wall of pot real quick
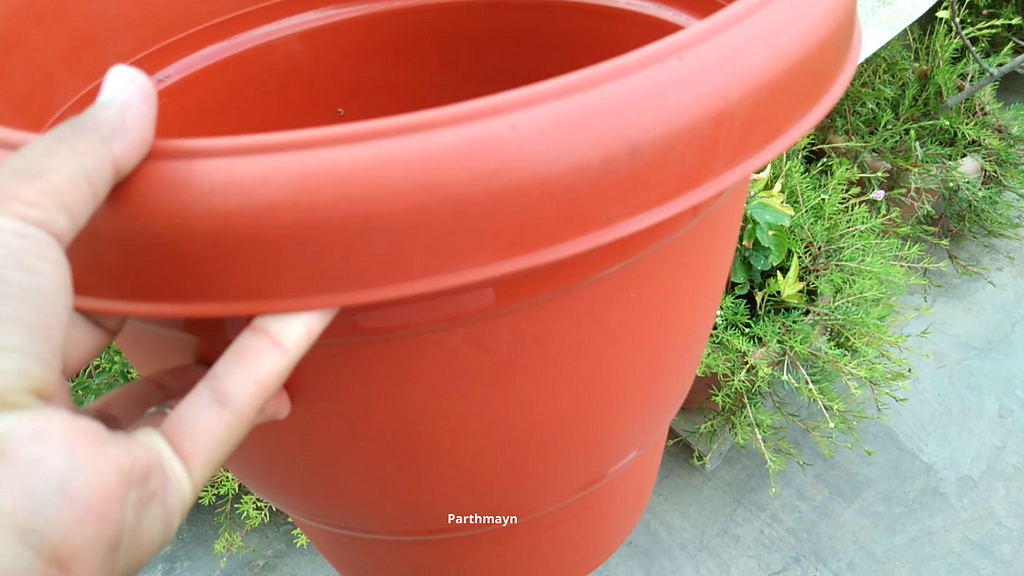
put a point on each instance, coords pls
(247, 66)
(367, 65)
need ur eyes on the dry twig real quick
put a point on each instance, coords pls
(963, 37)
(993, 74)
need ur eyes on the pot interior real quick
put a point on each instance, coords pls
(352, 62)
(397, 60)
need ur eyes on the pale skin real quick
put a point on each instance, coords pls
(99, 491)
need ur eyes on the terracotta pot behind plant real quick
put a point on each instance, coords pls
(699, 396)
(524, 210)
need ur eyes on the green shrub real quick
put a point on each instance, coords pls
(239, 511)
(808, 335)
(106, 373)
(990, 25)
(889, 113)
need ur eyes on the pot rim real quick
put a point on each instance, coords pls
(584, 80)
(212, 266)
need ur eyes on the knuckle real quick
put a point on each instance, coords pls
(269, 338)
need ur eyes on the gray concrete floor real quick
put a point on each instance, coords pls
(943, 495)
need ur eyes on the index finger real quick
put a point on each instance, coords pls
(213, 419)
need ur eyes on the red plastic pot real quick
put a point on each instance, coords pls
(524, 210)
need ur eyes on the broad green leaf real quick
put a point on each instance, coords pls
(789, 286)
(778, 202)
(759, 260)
(755, 276)
(776, 240)
(759, 181)
(739, 271)
(749, 233)
(768, 212)
(794, 271)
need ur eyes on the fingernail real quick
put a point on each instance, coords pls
(117, 84)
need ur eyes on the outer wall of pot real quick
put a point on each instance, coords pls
(496, 400)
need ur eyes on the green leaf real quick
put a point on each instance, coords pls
(794, 271)
(759, 181)
(749, 234)
(300, 538)
(759, 260)
(789, 286)
(769, 212)
(775, 239)
(739, 271)
(755, 276)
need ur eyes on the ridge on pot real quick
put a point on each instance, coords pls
(523, 214)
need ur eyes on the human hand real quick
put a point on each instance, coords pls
(99, 491)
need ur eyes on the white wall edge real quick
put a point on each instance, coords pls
(882, 20)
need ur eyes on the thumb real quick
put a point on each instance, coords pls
(56, 182)
(48, 191)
